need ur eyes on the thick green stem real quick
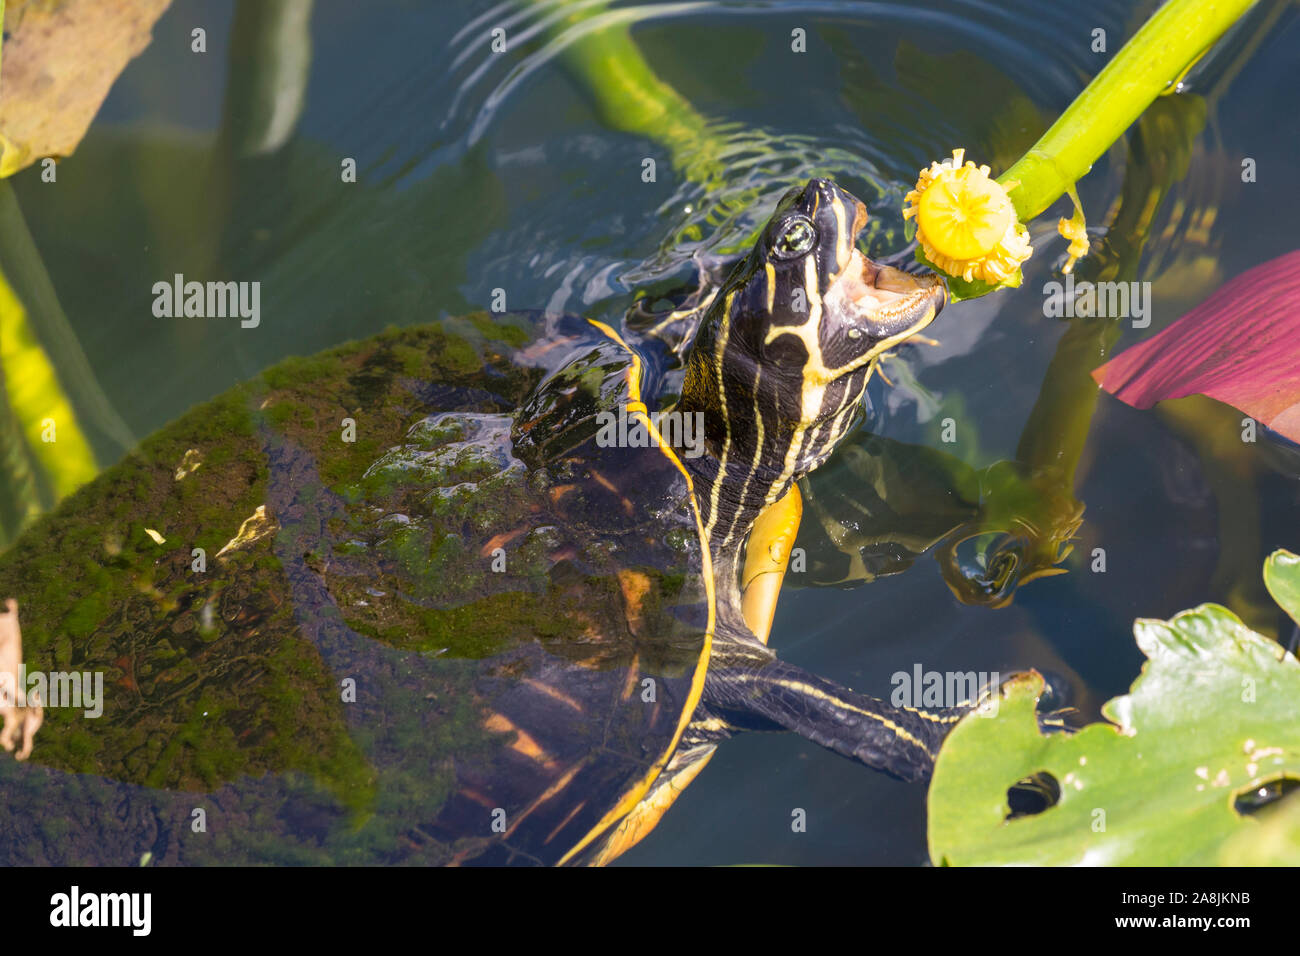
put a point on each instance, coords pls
(627, 94)
(1157, 56)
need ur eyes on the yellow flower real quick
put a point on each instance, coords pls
(1076, 230)
(1078, 241)
(966, 223)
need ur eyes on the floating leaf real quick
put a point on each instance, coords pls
(1169, 781)
(1241, 347)
(60, 59)
(1275, 840)
(1282, 578)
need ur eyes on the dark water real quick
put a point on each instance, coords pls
(479, 171)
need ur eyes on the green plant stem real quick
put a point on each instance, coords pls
(1175, 37)
(628, 95)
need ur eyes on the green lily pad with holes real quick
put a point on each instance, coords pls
(1174, 777)
(1276, 841)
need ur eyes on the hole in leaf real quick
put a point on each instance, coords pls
(1033, 794)
(1057, 693)
(1265, 797)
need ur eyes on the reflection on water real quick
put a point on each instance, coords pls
(478, 172)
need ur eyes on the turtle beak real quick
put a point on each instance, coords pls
(882, 301)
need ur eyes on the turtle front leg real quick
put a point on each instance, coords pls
(748, 689)
(767, 555)
(773, 695)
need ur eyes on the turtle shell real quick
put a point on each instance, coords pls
(393, 603)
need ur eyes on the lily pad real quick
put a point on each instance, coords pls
(1167, 781)
(1275, 841)
(1282, 578)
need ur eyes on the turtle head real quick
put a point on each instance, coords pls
(783, 355)
(809, 309)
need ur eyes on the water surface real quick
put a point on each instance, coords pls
(479, 171)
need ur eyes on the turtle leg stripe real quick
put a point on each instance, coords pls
(901, 742)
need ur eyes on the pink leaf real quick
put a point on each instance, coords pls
(1241, 346)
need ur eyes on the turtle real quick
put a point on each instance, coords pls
(461, 592)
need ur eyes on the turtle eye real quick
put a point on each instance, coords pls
(796, 236)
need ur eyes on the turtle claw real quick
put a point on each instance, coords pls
(1056, 721)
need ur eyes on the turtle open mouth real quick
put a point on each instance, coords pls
(882, 301)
